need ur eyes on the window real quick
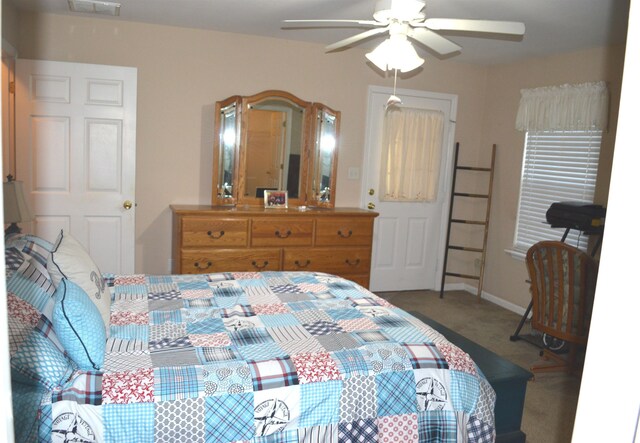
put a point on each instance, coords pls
(557, 166)
(563, 127)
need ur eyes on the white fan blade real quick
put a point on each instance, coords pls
(355, 38)
(493, 26)
(358, 22)
(434, 41)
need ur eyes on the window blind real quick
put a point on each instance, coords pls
(558, 166)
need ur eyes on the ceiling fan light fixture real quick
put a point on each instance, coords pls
(396, 52)
(407, 18)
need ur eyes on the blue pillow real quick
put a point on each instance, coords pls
(79, 326)
(39, 361)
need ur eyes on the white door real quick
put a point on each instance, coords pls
(408, 237)
(76, 154)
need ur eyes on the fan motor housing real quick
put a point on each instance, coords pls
(400, 10)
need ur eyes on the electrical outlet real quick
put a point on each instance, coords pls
(477, 262)
(353, 173)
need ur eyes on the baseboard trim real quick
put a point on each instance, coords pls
(486, 296)
(501, 302)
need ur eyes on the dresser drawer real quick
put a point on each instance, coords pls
(341, 261)
(230, 260)
(281, 232)
(216, 232)
(344, 231)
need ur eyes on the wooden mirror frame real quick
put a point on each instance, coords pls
(310, 145)
(218, 197)
(313, 191)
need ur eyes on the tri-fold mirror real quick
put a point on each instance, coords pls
(274, 141)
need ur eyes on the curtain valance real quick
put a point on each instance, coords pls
(564, 108)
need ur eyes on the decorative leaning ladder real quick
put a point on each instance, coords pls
(485, 222)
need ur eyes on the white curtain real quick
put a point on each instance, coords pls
(411, 152)
(564, 108)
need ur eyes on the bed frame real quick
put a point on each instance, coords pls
(507, 379)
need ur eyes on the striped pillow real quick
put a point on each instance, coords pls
(37, 357)
(32, 246)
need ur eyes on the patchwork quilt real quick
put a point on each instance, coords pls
(282, 357)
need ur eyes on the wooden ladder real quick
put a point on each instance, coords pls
(482, 251)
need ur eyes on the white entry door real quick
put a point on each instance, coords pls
(409, 237)
(76, 154)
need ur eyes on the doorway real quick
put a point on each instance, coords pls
(76, 154)
(409, 237)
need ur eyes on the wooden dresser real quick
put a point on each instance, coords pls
(224, 239)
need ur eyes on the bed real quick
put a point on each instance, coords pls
(281, 357)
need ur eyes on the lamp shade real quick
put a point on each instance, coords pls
(16, 209)
(396, 52)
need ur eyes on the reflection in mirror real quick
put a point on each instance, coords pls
(323, 174)
(274, 147)
(226, 163)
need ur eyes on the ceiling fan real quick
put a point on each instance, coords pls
(404, 19)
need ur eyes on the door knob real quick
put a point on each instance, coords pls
(371, 205)
(128, 204)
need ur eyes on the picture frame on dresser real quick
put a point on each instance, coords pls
(276, 199)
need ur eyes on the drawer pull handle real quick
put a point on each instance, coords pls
(216, 235)
(281, 235)
(347, 235)
(197, 265)
(257, 266)
(300, 265)
(356, 262)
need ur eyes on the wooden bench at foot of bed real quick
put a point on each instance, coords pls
(507, 379)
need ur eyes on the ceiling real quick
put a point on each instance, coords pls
(552, 26)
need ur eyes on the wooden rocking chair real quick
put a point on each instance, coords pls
(563, 280)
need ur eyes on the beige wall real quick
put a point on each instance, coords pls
(9, 22)
(182, 72)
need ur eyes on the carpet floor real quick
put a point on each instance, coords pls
(551, 399)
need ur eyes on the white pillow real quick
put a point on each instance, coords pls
(70, 260)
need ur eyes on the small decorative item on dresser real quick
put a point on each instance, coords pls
(275, 199)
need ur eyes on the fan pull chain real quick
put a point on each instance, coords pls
(395, 79)
(394, 100)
